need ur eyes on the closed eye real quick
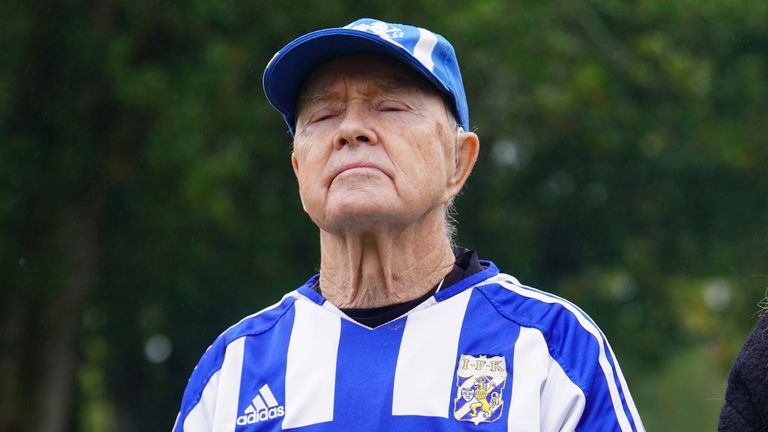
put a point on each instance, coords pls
(392, 106)
(323, 115)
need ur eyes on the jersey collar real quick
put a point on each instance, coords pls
(489, 270)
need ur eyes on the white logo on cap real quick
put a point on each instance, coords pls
(384, 30)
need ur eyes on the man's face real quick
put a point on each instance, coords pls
(371, 145)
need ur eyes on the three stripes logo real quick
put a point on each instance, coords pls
(263, 407)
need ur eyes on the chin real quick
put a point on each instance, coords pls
(359, 205)
(362, 218)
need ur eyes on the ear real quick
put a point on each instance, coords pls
(467, 150)
(295, 164)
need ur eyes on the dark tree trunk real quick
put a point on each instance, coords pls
(42, 315)
(63, 314)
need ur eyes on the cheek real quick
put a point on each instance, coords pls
(311, 166)
(436, 174)
(426, 160)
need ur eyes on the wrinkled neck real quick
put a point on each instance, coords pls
(383, 265)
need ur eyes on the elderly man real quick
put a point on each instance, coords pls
(400, 330)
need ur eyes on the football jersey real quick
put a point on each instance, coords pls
(486, 353)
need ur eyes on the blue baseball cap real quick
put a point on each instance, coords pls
(426, 52)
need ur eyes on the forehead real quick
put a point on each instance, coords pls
(376, 73)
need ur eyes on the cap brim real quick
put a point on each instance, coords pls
(289, 68)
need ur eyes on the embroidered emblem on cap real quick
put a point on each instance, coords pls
(384, 30)
(480, 385)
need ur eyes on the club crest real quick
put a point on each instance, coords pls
(480, 384)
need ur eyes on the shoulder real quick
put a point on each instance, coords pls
(213, 360)
(746, 399)
(260, 322)
(256, 324)
(754, 352)
(573, 341)
(554, 316)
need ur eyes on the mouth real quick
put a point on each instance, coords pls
(357, 166)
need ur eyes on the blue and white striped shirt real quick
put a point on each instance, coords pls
(485, 353)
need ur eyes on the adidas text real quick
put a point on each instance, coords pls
(255, 417)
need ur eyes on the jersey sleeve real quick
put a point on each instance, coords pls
(562, 400)
(591, 391)
(198, 404)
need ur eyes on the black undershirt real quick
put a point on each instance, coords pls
(466, 265)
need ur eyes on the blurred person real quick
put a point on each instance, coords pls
(746, 398)
(401, 329)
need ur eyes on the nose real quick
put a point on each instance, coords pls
(355, 128)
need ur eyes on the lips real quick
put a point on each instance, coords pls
(356, 165)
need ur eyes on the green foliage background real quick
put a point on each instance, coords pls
(147, 194)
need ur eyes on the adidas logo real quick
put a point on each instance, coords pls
(263, 407)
